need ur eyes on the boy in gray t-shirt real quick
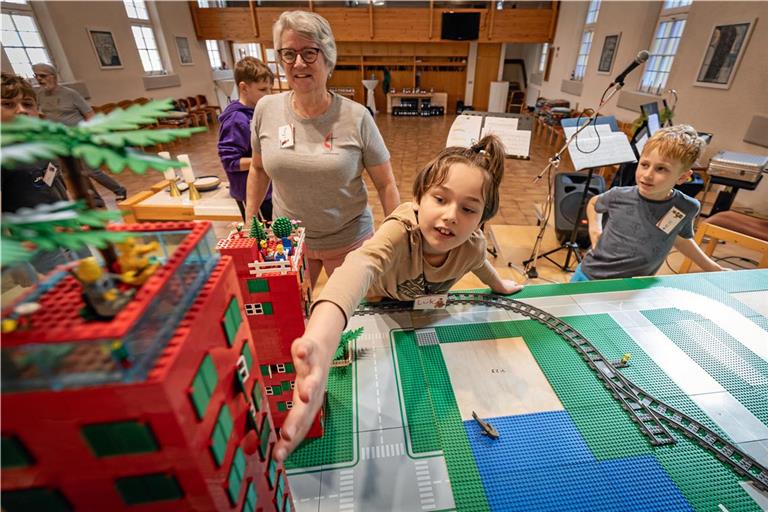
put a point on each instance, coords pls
(647, 220)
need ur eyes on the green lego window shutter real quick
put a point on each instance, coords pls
(236, 473)
(251, 498)
(14, 454)
(272, 473)
(148, 488)
(281, 407)
(266, 307)
(221, 434)
(258, 285)
(120, 438)
(232, 320)
(256, 393)
(289, 368)
(37, 498)
(286, 385)
(264, 437)
(246, 353)
(280, 485)
(265, 370)
(203, 386)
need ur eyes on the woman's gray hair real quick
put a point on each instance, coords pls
(311, 26)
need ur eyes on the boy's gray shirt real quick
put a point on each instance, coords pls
(631, 244)
(319, 180)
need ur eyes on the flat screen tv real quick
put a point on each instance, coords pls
(460, 26)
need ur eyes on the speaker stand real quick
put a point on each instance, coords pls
(571, 247)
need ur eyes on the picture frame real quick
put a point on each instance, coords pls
(723, 54)
(184, 50)
(105, 47)
(608, 53)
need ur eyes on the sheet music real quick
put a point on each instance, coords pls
(602, 129)
(465, 131)
(613, 149)
(516, 142)
(640, 144)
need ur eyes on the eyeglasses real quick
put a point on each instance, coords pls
(40, 76)
(308, 54)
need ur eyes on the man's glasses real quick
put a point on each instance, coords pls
(39, 76)
(308, 55)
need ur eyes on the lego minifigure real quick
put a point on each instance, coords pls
(103, 300)
(135, 266)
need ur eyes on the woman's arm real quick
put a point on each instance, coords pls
(256, 188)
(385, 184)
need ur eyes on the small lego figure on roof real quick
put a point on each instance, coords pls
(102, 298)
(135, 266)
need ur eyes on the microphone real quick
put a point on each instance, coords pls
(642, 56)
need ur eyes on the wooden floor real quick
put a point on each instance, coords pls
(412, 142)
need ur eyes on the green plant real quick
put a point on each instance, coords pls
(257, 229)
(346, 337)
(282, 227)
(102, 140)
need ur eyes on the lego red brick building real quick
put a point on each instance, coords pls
(160, 408)
(276, 295)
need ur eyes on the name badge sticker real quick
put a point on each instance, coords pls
(50, 174)
(438, 301)
(285, 135)
(670, 219)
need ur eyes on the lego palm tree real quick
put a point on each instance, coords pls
(107, 140)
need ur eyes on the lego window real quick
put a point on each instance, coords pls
(258, 285)
(236, 473)
(272, 472)
(14, 454)
(265, 370)
(203, 386)
(246, 353)
(232, 320)
(148, 488)
(220, 435)
(37, 498)
(270, 392)
(256, 393)
(289, 368)
(267, 307)
(280, 486)
(289, 404)
(286, 385)
(281, 407)
(119, 438)
(288, 505)
(264, 436)
(280, 367)
(251, 499)
(254, 309)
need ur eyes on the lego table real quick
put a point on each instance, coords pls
(157, 204)
(399, 430)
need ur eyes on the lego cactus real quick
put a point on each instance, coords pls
(102, 140)
(282, 227)
(257, 229)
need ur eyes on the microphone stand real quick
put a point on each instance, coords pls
(529, 268)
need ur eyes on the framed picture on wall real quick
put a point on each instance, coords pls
(723, 54)
(106, 50)
(185, 54)
(608, 54)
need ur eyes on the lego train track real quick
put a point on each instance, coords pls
(650, 414)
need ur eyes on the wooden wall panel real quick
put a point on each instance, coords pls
(486, 71)
(451, 82)
(390, 24)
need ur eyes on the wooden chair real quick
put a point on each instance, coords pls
(105, 108)
(516, 102)
(202, 102)
(197, 117)
(732, 227)
(124, 104)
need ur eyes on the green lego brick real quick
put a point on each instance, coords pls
(742, 281)
(246, 353)
(472, 332)
(148, 488)
(418, 411)
(272, 473)
(251, 498)
(258, 285)
(609, 432)
(120, 438)
(203, 386)
(13, 453)
(705, 482)
(337, 443)
(37, 498)
(220, 435)
(232, 320)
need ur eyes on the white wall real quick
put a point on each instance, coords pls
(64, 25)
(726, 113)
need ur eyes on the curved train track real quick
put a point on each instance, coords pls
(650, 414)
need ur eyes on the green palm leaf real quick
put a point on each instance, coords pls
(143, 137)
(30, 152)
(129, 119)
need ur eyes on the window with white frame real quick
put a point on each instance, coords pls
(22, 40)
(586, 40)
(254, 309)
(664, 47)
(144, 36)
(581, 60)
(543, 57)
(214, 54)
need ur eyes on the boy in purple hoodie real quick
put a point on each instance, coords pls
(254, 81)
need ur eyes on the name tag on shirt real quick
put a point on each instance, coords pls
(670, 219)
(285, 136)
(438, 301)
(50, 174)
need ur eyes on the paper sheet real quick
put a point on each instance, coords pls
(609, 149)
(465, 131)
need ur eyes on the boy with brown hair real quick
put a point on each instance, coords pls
(254, 81)
(646, 220)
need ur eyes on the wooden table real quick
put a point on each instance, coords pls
(157, 204)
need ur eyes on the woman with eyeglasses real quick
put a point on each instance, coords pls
(313, 145)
